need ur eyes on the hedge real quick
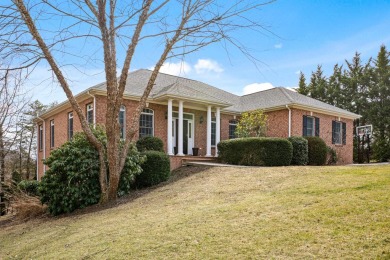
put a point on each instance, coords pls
(155, 169)
(300, 150)
(317, 150)
(256, 151)
(150, 143)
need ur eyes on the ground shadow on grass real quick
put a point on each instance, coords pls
(176, 175)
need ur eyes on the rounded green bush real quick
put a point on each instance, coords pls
(317, 150)
(72, 181)
(300, 150)
(29, 186)
(256, 151)
(150, 143)
(155, 169)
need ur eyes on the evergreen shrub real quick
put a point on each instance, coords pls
(72, 180)
(300, 150)
(256, 151)
(150, 143)
(331, 156)
(29, 186)
(155, 169)
(317, 150)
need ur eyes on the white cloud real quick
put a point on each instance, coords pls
(298, 72)
(256, 87)
(294, 89)
(278, 46)
(207, 65)
(177, 69)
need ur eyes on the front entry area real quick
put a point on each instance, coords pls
(188, 133)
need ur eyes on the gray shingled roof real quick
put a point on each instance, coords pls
(172, 85)
(138, 80)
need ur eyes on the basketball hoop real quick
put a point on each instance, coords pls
(365, 130)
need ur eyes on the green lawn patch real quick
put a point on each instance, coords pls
(279, 212)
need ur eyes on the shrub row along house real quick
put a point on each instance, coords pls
(188, 114)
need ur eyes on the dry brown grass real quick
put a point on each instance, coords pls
(226, 213)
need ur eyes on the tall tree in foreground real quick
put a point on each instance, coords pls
(179, 26)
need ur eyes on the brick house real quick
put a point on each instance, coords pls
(188, 114)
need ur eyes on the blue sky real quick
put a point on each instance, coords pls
(307, 33)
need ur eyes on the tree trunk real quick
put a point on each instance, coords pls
(2, 173)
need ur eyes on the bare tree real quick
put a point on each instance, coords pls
(12, 102)
(180, 26)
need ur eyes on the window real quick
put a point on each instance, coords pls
(90, 113)
(122, 122)
(311, 126)
(40, 137)
(232, 129)
(52, 134)
(70, 125)
(213, 130)
(339, 132)
(146, 123)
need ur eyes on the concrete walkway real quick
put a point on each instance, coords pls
(214, 164)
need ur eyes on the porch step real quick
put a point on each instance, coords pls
(188, 160)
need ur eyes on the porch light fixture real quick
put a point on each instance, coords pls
(166, 114)
(200, 119)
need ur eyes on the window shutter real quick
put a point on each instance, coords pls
(344, 133)
(333, 131)
(317, 125)
(304, 126)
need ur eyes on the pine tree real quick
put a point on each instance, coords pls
(334, 93)
(318, 85)
(380, 105)
(302, 87)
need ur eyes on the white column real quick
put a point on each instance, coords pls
(180, 137)
(169, 136)
(217, 129)
(208, 149)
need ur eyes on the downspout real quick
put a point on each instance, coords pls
(94, 108)
(289, 121)
(44, 145)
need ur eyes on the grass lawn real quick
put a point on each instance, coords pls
(283, 212)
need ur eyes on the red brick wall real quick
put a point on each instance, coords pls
(277, 126)
(60, 131)
(344, 152)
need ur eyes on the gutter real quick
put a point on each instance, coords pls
(289, 121)
(44, 145)
(94, 107)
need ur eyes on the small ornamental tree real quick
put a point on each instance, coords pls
(252, 124)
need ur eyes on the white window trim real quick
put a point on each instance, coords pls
(230, 123)
(147, 113)
(41, 137)
(314, 125)
(52, 133)
(70, 116)
(123, 109)
(340, 133)
(91, 108)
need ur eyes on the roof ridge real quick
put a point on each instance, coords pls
(188, 87)
(258, 92)
(284, 91)
(192, 80)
